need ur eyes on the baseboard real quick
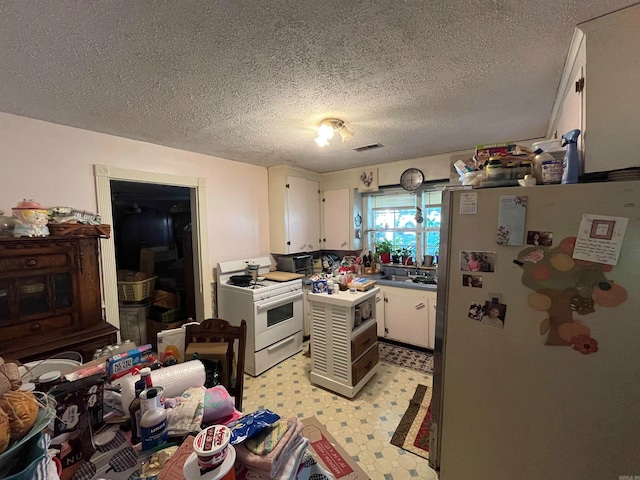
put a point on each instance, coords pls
(405, 345)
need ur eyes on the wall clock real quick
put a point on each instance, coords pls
(411, 179)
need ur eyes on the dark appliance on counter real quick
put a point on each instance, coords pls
(299, 263)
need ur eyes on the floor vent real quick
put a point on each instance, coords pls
(366, 148)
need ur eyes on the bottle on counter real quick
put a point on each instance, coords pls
(135, 412)
(154, 429)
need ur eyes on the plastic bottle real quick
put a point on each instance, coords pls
(547, 169)
(571, 165)
(154, 430)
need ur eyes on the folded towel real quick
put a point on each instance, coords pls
(267, 439)
(289, 470)
(275, 459)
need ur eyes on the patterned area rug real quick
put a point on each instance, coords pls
(406, 357)
(412, 433)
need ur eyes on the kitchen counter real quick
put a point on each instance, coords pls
(402, 281)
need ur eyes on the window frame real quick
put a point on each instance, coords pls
(421, 230)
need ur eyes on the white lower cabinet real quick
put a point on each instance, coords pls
(409, 316)
(344, 352)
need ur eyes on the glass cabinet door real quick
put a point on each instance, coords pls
(62, 290)
(33, 296)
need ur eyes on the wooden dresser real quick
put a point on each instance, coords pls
(50, 298)
(344, 347)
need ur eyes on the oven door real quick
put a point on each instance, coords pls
(277, 318)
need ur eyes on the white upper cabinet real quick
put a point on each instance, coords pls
(303, 215)
(600, 91)
(294, 211)
(342, 219)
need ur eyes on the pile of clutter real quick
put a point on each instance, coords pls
(30, 219)
(504, 164)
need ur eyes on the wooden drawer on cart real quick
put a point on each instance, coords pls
(36, 327)
(365, 364)
(33, 262)
(364, 340)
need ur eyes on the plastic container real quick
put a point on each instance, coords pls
(547, 169)
(133, 322)
(212, 458)
(154, 430)
(495, 170)
(547, 145)
(473, 178)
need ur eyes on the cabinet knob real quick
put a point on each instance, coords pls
(366, 342)
(31, 262)
(344, 244)
(35, 327)
(419, 306)
(369, 365)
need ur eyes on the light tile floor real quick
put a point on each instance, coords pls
(363, 425)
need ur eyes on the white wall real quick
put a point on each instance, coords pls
(53, 164)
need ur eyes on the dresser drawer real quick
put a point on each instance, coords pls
(363, 341)
(365, 364)
(33, 262)
(36, 327)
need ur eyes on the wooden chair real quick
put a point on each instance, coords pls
(218, 330)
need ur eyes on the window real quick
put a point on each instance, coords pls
(391, 215)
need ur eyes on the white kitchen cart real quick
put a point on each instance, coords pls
(344, 355)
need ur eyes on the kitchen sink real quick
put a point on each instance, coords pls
(424, 280)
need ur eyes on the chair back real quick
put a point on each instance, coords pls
(219, 330)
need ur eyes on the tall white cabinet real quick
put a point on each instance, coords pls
(294, 210)
(341, 219)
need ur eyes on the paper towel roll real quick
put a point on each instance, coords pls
(174, 380)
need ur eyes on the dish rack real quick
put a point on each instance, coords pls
(136, 291)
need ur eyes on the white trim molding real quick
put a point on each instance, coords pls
(202, 272)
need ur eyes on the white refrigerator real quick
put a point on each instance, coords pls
(537, 358)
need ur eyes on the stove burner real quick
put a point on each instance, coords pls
(241, 281)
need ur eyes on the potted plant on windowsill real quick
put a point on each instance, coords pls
(406, 254)
(384, 248)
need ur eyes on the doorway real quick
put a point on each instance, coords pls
(152, 230)
(202, 275)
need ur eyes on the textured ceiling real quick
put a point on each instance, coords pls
(250, 81)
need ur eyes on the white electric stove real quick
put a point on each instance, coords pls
(272, 310)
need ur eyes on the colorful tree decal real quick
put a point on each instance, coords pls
(562, 286)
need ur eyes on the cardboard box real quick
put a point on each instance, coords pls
(212, 351)
(329, 453)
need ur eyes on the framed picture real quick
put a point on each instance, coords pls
(367, 180)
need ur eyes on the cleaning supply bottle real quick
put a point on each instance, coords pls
(571, 170)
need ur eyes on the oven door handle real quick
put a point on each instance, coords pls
(280, 343)
(280, 301)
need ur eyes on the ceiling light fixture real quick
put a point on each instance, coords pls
(327, 130)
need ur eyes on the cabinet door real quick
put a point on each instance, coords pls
(432, 321)
(336, 220)
(407, 316)
(313, 217)
(380, 313)
(303, 215)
